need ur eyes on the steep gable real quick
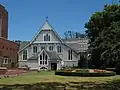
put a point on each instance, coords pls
(47, 31)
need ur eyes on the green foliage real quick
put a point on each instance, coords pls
(103, 29)
(72, 34)
(85, 74)
(12, 65)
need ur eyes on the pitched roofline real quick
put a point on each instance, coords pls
(53, 31)
(43, 51)
(38, 34)
(33, 37)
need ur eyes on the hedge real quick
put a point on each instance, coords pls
(85, 74)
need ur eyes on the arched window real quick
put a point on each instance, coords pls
(40, 57)
(46, 57)
(43, 56)
(47, 37)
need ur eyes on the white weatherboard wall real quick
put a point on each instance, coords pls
(33, 64)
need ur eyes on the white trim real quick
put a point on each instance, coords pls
(42, 60)
(42, 51)
(46, 42)
(6, 61)
(49, 41)
(22, 60)
(71, 60)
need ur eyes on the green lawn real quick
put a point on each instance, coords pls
(35, 77)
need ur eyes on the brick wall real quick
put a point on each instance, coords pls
(8, 49)
(3, 22)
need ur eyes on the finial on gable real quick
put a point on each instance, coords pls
(46, 17)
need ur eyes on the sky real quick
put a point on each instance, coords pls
(27, 16)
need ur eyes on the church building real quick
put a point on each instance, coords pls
(48, 51)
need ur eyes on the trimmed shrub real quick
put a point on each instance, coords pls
(85, 74)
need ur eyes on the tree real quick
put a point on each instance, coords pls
(72, 34)
(69, 34)
(103, 30)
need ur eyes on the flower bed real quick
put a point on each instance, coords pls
(85, 72)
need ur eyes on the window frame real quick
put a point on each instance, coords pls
(35, 49)
(70, 54)
(25, 54)
(46, 37)
(5, 60)
(59, 49)
(43, 61)
(51, 48)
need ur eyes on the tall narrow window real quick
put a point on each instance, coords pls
(47, 37)
(59, 49)
(40, 57)
(24, 54)
(50, 48)
(46, 57)
(34, 49)
(43, 58)
(69, 54)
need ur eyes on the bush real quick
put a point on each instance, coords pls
(67, 68)
(82, 70)
(118, 69)
(85, 74)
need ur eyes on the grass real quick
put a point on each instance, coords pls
(36, 77)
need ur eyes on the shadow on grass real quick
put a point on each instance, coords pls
(114, 85)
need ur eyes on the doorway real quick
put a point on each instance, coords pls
(53, 66)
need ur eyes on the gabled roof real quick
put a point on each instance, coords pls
(23, 44)
(53, 55)
(46, 26)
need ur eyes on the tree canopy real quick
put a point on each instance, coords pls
(103, 30)
(72, 34)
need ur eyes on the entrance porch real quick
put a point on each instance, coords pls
(48, 61)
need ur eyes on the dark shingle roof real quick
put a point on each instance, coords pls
(23, 44)
(34, 57)
(52, 56)
(74, 39)
(74, 46)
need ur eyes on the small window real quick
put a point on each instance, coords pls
(43, 56)
(50, 48)
(40, 62)
(6, 48)
(10, 49)
(24, 54)
(5, 60)
(69, 54)
(34, 49)
(46, 57)
(47, 37)
(59, 49)
(40, 57)
(45, 62)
